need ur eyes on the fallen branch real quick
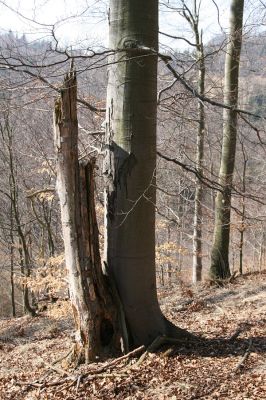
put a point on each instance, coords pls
(117, 360)
(236, 334)
(87, 376)
(244, 358)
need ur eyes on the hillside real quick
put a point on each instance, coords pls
(229, 364)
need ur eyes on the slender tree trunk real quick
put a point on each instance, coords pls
(25, 268)
(23, 250)
(220, 250)
(197, 234)
(243, 216)
(97, 319)
(12, 263)
(241, 242)
(261, 251)
(169, 263)
(130, 166)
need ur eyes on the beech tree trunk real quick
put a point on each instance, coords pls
(12, 258)
(243, 212)
(197, 232)
(97, 319)
(130, 166)
(220, 250)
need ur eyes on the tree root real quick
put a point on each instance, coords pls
(178, 335)
(166, 340)
(221, 282)
(181, 337)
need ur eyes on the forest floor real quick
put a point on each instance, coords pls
(229, 364)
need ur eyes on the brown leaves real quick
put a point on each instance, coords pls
(209, 370)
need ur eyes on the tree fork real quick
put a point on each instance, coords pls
(97, 319)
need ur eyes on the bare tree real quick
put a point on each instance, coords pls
(130, 165)
(220, 250)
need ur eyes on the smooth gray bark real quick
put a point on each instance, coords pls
(12, 259)
(220, 250)
(243, 211)
(130, 165)
(197, 232)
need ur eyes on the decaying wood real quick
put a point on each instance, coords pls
(98, 323)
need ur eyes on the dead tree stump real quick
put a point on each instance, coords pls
(99, 320)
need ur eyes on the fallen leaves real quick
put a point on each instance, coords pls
(229, 364)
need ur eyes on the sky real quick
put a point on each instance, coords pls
(84, 22)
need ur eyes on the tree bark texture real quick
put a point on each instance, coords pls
(220, 250)
(130, 165)
(96, 317)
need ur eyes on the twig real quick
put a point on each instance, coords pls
(35, 193)
(64, 356)
(117, 360)
(78, 383)
(48, 384)
(219, 308)
(57, 369)
(245, 356)
(34, 384)
(105, 375)
(235, 335)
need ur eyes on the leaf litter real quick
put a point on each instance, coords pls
(228, 363)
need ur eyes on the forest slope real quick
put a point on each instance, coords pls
(230, 364)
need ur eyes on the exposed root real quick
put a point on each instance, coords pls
(179, 335)
(73, 358)
(166, 340)
(221, 282)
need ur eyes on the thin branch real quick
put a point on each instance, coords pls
(245, 356)
(209, 183)
(58, 90)
(165, 89)
(178, 38)
(202, 97)
(40, 191)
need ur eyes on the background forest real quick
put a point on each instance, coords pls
(30, 74)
